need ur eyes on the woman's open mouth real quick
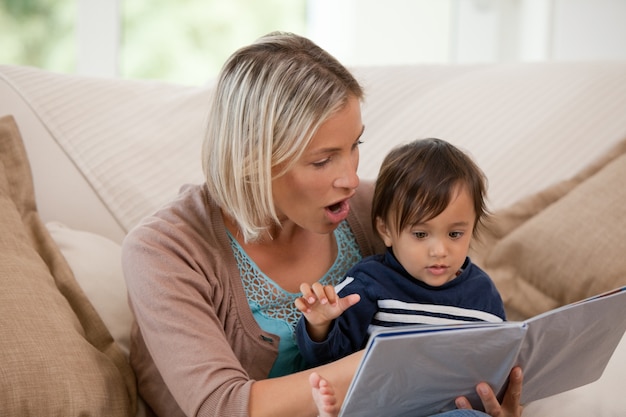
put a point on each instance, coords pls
(338, 212)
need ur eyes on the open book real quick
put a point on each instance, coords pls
(420, 370)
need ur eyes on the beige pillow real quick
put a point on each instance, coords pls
(563, 244)
(96, 263)
(56, 356)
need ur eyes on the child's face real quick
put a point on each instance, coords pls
(434, 251)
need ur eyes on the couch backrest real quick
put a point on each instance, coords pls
(127, 146)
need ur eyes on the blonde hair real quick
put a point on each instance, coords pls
(270, 99)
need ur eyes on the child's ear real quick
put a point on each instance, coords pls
(383, 231)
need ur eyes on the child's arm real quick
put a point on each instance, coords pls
(320, 306)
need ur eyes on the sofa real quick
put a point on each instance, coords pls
(82, 159)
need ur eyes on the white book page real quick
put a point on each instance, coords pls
(420, 370)
(417, 374)
(570, 347)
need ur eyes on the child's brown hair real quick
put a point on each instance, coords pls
(417, 180)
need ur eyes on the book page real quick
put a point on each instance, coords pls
(420, 372)
(570, 347)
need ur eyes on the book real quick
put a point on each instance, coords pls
(419, 370)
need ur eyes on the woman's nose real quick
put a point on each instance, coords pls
(348, 177)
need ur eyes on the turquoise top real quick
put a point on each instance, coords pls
(274, 309)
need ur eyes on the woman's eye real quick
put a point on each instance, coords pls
(321, 163)
(357, 143)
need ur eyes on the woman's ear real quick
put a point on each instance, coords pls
(383, 231)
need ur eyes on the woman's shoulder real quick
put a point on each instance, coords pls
(364, 194)
(190, 204)
(191, 216)
(184, 238)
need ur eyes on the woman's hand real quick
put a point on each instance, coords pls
(510, 406)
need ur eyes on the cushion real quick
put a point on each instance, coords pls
(102, 124)
(56, 356)
(563, 244)
(96, 263)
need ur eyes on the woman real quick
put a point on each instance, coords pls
(212, 277)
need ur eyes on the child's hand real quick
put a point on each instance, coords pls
(320, 304)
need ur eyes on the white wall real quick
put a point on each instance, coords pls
(375, 32)
(98, 24)
(447, 31)
(589, 29)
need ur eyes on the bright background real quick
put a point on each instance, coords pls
(186, 41)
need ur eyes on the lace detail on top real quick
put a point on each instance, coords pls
(270, 300)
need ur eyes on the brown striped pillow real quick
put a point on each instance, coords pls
(563, 244)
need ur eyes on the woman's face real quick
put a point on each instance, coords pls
(314, 193)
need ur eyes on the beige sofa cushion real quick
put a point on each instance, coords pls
(56, 356)
(96, 263)
(563, 244)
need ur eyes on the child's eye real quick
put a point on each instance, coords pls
(420, 235)
(456, 235)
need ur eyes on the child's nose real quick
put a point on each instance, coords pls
(437, 248)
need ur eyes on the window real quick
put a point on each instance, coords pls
(38, 33)
(184, 41)
(187, 41)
